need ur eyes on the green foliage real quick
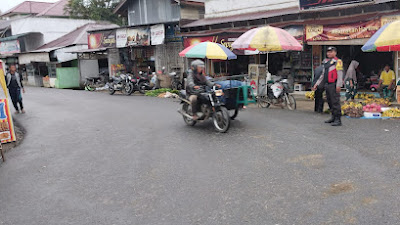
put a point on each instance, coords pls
(157, 92)
(93, 10)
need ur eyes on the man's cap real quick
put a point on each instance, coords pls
(197, 63)
(331, 48)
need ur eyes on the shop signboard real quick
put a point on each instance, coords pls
(121, 38)
(342, 32)
(297, 31)
(311, 4)
(388, 19)
(7, 133)
(157, 34)
(225, 40)
(172, 33)
(10, 47)
(102, 39)
(138, 36)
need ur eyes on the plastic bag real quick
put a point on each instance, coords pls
(277, 89)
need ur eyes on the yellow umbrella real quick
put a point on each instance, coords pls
(3, 78)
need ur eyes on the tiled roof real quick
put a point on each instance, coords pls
(56, 9)
(28, 7)
(76, 37)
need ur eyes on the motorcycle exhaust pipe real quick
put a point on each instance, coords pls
(185, 114)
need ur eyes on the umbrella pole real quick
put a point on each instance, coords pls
(266, 63)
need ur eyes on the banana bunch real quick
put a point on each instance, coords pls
(352, 109)
(364, 96)
(379, 101)
(310, 95)
(395, 113)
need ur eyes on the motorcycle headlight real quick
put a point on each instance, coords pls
(219, 93)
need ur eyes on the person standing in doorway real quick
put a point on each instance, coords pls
(351, 80)
(387, 82)
(14, 85)
(318, 94)
(332, 78)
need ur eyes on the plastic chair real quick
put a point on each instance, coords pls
(245, 101)
(298, 87)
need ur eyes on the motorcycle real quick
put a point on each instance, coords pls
(176, 83)
(276, 94)
(140, 84)
(209, 106)
(120, 83)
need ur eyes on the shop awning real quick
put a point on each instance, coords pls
(340, 42)
(27, 58)
(89, 50)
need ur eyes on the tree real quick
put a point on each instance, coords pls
(93, 10)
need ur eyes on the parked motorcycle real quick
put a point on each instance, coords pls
(176, 83)
(276, 94)
(140, 84)
(209, 106)
(120, 83)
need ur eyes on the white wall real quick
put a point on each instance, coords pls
(51, 28)
(88, 68)
(222, 8)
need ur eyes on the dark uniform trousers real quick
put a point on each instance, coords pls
(319, 101)
(333, 99)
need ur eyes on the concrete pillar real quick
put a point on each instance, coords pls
(113, 59)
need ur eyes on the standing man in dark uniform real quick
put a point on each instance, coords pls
(333, 80)
(14, 84)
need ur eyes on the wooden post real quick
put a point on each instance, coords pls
(2, 153)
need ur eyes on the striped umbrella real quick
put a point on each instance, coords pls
(267, 39)
(386, 39)
(209, 50)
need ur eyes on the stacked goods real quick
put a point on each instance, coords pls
(395, 113)
(352, 109)
(310, 95)
(364, 96)
(372, 108)
(379, 101)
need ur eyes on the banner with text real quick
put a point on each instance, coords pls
(157, 34)
(10, 47)
(103, 39)
(342, 32)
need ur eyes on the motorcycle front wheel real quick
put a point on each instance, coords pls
(221, 120)
(290, 102)
(143, 87)
(263, 102)
(186, 108)
(111, 90)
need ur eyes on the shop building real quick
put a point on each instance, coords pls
(152, 38)
(346, 24)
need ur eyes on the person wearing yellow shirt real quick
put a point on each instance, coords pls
(386, 82)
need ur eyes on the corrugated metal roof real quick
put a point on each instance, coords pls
(56, 9)
(28, 7)
(76, 37)
(243, 17)
(15, 37)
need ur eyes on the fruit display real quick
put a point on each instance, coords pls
(394, 113)
(310, 95)
(352, 109)
(379, 101)
(364, 96)
(372, 108)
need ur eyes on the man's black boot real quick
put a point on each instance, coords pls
(337, 122)
(331, 120)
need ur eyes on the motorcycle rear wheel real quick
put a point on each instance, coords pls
(221, 120)
(263, 102)
(290, 102)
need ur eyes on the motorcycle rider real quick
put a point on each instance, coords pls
(196, 79)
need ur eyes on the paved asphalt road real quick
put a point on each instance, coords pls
(91, 158)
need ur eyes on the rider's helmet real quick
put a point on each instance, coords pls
(197, 63)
